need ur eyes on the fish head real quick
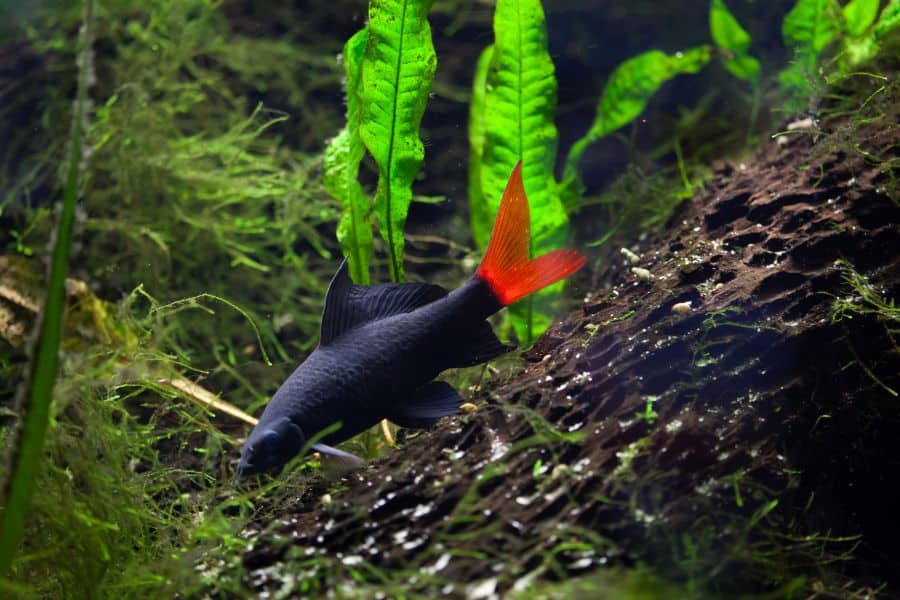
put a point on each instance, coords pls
(270, 446)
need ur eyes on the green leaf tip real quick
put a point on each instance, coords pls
(728, 34)
(628, 90)
(397, 70)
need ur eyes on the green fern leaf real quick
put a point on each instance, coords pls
(397, 71)
(809, 27)
(519, 106)
(863, 40)
(340, 166)
(627, 92)
(481, 216)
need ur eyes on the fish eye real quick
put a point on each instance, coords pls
(270, 441)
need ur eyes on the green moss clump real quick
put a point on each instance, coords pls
(190, 196)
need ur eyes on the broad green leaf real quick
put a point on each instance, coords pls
(397, 71)
(859, 15)
(627, 92)
(480, 213)
(743, 67)
(809, 27)
(340, 166)
(726, 31)
(728, 34)
(889, 20)
(519, 106)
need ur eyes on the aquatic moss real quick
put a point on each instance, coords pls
(189, 196)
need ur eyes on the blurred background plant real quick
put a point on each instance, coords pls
(189, 194)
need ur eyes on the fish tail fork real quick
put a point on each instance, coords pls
(506, 266)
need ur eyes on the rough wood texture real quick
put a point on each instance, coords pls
(690, 423)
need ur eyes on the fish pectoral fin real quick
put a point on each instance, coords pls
(428, 404)
(344, 459)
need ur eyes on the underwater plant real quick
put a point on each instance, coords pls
(197, 197)
(389, 68)
(36, 395)
(512, 115)
(340, 169)
(188, 201)
(812, 25)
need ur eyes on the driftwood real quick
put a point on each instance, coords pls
(705, 412)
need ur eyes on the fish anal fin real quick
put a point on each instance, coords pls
(481, 347)
(427, 404)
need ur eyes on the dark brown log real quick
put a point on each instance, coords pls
(738, 442)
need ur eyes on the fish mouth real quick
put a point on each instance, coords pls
(246, 468)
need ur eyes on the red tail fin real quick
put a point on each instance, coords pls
(506, 266)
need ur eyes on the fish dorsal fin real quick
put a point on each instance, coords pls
(348, 305)
(388, 299)
(339, 314)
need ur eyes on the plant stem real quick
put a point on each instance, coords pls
(36, 395)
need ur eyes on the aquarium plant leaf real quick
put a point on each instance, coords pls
(627, 92)
(889, 20)
(728, 34)
(862, 40)
(859, 15)
(518, 121)
(481, 217)
(340, 167)
(807, 29)
(36, 395)
(397, 71)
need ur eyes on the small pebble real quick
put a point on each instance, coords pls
(631, 256)
(642, 274)
(681, 308)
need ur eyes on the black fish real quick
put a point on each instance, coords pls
(381, 346)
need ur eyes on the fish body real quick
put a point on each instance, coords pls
(382, 346)
(373, 372)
